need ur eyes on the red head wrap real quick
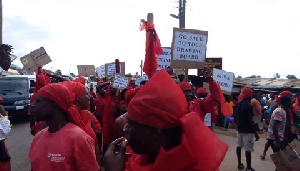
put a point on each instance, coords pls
(41, 79)
(201, 91)
(246, 93)
(1, 100)
(285, 93)
(65, 101)
(185, 86)
(167, 108)
(77, 88)
(151, 109)
(130, 94)
(80, 79)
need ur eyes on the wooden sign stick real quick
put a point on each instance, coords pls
(186, 74)
(150, 21)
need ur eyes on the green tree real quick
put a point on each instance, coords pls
(254, 76)
(291, 77)
(239, 76)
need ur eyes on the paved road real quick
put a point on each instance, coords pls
(18, 144)
(19, 141)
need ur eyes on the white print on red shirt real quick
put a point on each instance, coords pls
(56, 157)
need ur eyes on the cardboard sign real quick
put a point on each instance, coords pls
(86, 70)
(291, 159)
(278, 162)
(188, 48)
(101, 71)
(110, 69)
(120, 82)
(35, 58)
(212, 63)
(225, 79)
(164, 60)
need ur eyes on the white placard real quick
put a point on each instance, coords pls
(4, 127)
(120, 82)
(189, 46)
(164, 60)
(101, 71)
(111, 69)
(225, 79)
(207, 119)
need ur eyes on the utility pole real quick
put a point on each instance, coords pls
(181, 14)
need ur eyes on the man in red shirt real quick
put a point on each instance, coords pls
(64, 144)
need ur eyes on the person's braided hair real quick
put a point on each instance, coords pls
(5, 52)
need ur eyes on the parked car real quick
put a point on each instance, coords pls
(16, 90)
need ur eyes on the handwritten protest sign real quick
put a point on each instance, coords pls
(38, 57)
(101, 71)
(164, 60)
(188, 48)
(225, 79)
(110, 69)
(120, 82)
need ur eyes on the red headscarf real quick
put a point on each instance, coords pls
(285, 93)
(41, 79)
(185, 86)
(64, 99)
(1, 100)
(166, 108)
(80, 80)
(246, 93)
(77, 88)
(130, 94)
(201, 91)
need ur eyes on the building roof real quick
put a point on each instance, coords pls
(268, 83)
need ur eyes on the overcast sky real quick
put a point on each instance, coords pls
(258, 37)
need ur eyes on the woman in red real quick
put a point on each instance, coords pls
(64, 144)
(163, 135)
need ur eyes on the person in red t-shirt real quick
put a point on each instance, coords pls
(162, 135)
(64, 144)
(82, 103)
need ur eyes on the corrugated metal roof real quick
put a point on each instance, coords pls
(268, 83)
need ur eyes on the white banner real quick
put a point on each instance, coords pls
(225, 79)
(164, 60)
(111, 69)
(189, 46)
(120, 82)
(101, 71)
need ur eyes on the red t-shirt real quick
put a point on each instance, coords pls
(69, 149)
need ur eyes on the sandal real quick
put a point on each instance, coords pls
(240, 167)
